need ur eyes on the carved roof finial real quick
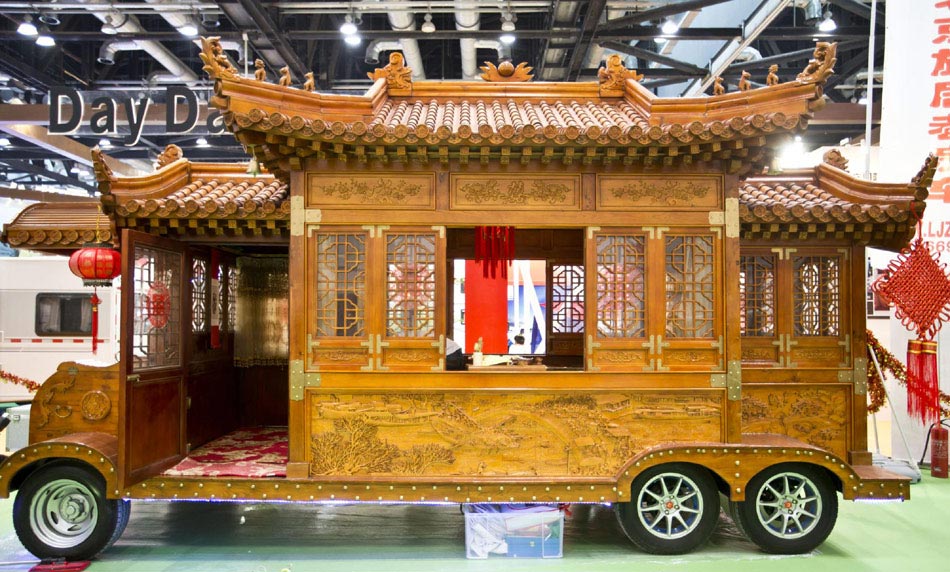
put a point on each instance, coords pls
(925, 175)
(772, 78)
(614, 74)
(506, 71)
(217, 65)
(821, 66)
(260, 74)
(285, 78)
(171, 154)
(102, 171)
(744, 83)
(396, 74)
(718, 88)
(309, 83)
(834, 158)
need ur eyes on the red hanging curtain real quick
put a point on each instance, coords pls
(494, 245)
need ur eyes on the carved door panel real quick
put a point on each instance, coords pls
(818, 336)
(153, 356)
(759, 307)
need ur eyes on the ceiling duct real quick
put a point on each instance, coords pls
(402, 19)
(377, 47)
(467, 20)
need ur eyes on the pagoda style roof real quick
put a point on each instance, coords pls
(508, 117)
(828, 202)
(58, 226)
(214, 201)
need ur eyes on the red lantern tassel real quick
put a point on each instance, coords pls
(929, 381)
(95, 321)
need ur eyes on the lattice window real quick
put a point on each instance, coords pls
(156, 308)
(410, 285)
(757, 296)
(199, 295)
(817, 298)
(621, 277)
(340, 284)
(567, 299)
(229, 318)
(690, 286)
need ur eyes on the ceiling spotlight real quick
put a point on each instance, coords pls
(27, 27)
(863, 100)
(812, 12)
(189, 30)
(4, 77)
(209, 21)
(428, 27)
(44, 39)
(348, 28)
(828, 24)
(507, 39)
(75, 169)
(49, 18)
(108, 26)
(669, 27)
(659, 40)
(507, 22)
(202, 142)
(352, 40)
(4, 141)
(105, 143)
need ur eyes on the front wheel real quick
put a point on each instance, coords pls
(674, 509)
(789, 508)
(62, 512)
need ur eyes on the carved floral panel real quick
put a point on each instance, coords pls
(511, 434)
(357, 191)
(617, 193)
(504, 192)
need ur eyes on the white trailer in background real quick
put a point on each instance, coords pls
(45, 319)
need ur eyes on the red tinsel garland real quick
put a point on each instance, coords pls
(889, 363)
(29, 384)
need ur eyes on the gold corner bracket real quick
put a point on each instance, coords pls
(300, 380)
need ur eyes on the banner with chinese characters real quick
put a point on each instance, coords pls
(915, 121)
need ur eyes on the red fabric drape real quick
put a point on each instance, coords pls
(494, 246)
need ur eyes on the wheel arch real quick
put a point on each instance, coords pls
(96, 452)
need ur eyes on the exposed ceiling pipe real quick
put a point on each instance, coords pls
(229, 46)
(108, 50)
(597, 53)
(405, 21)
(176, 19)
(129, 24)
(504, 52)
(467, 19)
(377, 47)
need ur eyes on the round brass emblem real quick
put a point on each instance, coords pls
(95, 406)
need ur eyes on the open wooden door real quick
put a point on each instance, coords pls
(153, 356)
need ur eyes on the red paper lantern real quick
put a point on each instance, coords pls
(97, 264)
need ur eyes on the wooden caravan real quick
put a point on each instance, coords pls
(703, 330)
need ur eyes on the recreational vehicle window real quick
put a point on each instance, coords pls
(63, 314)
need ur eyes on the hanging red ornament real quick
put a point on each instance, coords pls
(97, 264)
(918, 286)
(157, 304)
(494, 245)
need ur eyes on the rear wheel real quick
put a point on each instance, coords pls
(674, 509)
(789, 508)
(62, 512)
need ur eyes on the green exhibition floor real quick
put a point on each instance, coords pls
(200, 537)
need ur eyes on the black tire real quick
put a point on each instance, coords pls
(790, 508)
(62, 512)
(674, 509)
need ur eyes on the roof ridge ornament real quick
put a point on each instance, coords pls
(102, 170)
(506, 71)
(217, 65)
(834, 158)
(396, 74)
(925, 176)
(821, 66)
(171, 154)
(614, 74)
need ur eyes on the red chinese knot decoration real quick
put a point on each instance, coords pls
(157, 305)
(494, 245)
(918, 286)
(97, 264)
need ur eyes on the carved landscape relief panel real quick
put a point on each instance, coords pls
(357, 191)
(658, 193)
(522, 434)
(501, 192)
(819, 415)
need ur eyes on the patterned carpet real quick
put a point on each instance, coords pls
(255, 452)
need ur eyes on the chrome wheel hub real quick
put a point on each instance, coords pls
(63, 513)
(670, 506)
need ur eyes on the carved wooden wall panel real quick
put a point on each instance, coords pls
(359, 191)
(617, 193)
(76, 399)
(498, 192)
(522, 434)
(816, 414)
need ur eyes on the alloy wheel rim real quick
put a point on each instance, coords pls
(788, 505)
(63, 513)
(670, 506)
